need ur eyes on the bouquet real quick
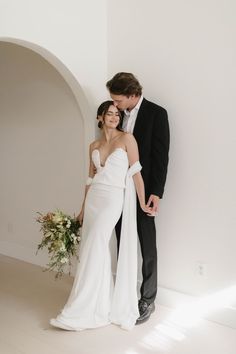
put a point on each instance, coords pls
(61, 237)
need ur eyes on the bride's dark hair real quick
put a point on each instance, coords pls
(103, 109)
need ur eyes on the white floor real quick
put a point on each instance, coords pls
(30, 297)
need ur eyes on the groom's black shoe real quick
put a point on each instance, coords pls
(145, 311)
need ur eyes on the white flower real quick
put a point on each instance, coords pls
(62, 248)
(57, 219)
(64, 260)
(68, 224)
(74, 238)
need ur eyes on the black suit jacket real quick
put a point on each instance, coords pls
(151, 131)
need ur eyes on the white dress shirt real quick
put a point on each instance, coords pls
(130, 117)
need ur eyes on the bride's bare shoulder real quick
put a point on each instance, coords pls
(94, 144)
(128, 137)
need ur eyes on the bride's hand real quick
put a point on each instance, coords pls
(148, 210)
(80, 217)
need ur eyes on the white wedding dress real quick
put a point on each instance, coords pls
(95, 300)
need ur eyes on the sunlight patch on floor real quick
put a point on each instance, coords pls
(190, 314)
(186, 316)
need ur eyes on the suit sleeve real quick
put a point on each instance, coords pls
(159, 152)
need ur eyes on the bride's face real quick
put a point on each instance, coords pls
(112, 117)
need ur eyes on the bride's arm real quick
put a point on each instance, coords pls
(89, 180)
(133, 156)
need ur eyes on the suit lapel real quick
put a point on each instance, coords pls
(140, 120)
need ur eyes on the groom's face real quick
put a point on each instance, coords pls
(123, 102)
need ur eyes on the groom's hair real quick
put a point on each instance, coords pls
(124, 84)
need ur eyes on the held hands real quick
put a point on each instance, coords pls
(153, 205)
(153, 201)
(146, 209)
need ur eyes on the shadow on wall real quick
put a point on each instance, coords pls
(43, 138)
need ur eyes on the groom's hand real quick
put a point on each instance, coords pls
(153, 202)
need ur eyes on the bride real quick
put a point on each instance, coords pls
(95, 300)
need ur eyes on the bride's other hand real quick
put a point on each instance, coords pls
(147, 209)
(80, 217)
(153, 202)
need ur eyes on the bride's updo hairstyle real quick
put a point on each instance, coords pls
(102, 111)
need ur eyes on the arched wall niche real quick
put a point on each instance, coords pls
(86, 113)
(25, 186)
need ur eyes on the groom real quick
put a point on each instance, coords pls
(148, 123)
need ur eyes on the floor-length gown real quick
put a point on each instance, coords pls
(95, 300)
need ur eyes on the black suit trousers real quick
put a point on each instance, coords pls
(147, 238)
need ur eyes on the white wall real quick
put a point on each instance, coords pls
(74, 31)
(183, 52)
(41, 149)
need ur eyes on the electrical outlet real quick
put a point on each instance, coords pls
(201, 270)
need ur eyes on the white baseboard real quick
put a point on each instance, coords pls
(166, 297)
(23, 253)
